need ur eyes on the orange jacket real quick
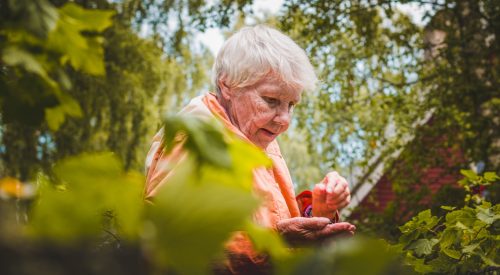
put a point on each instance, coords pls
(274, 185)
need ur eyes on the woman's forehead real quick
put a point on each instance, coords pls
(277, 88)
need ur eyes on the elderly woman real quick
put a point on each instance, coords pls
(259, 75)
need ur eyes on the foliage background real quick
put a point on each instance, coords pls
(75, 77)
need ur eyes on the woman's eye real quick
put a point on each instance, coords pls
(271, 101)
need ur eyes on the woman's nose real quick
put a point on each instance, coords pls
(282, 116)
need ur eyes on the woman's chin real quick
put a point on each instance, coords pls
(264, 138)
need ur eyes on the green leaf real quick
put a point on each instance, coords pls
(284, 259)
(448, 237)
(203, 202)
(267, 240)
(471, 175)
(196, 212)
(54, 117)
(418, 225)
(69, 105)
(491, 176)
(40, 16)
(15, 56)
(466, 216)
(204, 139)
(487, 216)
(452, 253)
(343, 256)
(90, 20)
(91, 184)
(448, 208)
(489, 261)
(248, 157)
(418, 264)
(462, 226)
(442, 264)
(82, 52)
(423, 247)
(470, 248)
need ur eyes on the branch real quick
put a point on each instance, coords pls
(117, 239)
(403, 84)
(473, 239)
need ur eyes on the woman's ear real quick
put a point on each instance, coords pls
(224, 89)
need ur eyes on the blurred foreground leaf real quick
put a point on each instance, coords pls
(194, 216)
(90, 185)
(284, 259)
(206, 199)
(202, 138)
(357, 255)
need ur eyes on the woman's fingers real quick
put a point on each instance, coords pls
(337, 191)
(341, 199)
(314, 223)
(319, 192)
(339, 187)
(330, 195)
(302, 230)
(299, 224)
(319, 206)
(334, 229)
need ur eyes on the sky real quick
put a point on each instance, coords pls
(213, 38)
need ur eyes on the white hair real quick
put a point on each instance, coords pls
(254, 52)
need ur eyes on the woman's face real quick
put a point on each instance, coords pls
(262, 111)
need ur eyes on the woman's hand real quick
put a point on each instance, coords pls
(301, 230)
(330, 195)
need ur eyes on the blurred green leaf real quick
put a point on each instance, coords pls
(471, 175)
(267, 240)
(194, 216)
(487, 216)
(14, 56)
(448, 237)
(82, 52)
(491, 176)
(88, 20)
(345, 256)
(55, 116)
(202, 138)
(419, 264)
(205, 201)
(65, 35)
(447, 208)
(40, 16)
(91, 184)
(489, 261)
(423, 247)
(284, 259)
(452, 253)
(470, 248)
(465, 216)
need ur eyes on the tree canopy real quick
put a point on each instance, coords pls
(83, 89)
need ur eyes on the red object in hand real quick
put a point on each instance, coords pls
(304, 200)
